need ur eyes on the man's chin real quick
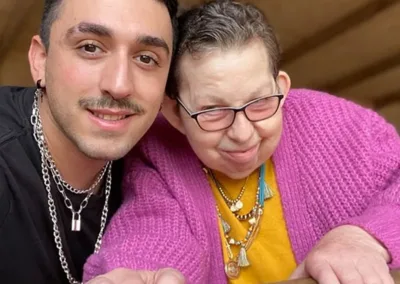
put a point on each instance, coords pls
(106, 152)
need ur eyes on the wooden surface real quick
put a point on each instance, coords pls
(12, 16)
(395, 274)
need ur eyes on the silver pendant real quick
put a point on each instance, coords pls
(76, 222)
(268, 193)
(225, 226)
(242, 259)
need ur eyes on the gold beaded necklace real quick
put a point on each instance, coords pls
(233, 204)
(235, 263)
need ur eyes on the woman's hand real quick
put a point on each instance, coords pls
(127, 276)
(346, 255)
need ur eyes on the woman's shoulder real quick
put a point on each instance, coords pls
(163, 161)
(162, 144)
(320, 102)
(322, 123)
(163, 137)
(317, 108)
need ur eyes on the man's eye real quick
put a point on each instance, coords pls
(90, 48)
(147, 60)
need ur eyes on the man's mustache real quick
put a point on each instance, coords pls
(109, 102)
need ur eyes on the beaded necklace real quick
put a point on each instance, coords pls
(235, 263)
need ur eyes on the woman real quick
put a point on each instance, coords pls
(262, 183)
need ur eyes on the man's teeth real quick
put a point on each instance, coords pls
(109, 116)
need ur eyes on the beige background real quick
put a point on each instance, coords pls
(350, 48)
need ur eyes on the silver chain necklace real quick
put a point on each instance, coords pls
(39, 137)
(76, 214)
(60, 181)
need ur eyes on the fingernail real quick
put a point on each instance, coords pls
(170, 276)
(100, 280)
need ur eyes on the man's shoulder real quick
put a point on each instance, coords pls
(15, 110)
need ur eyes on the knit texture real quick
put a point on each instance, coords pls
(337, 163)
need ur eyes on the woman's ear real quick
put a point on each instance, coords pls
(170, 110)
(283, 81)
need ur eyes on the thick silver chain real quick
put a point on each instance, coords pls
(60, 181)
(39, 137)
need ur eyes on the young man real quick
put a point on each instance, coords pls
(101, 71)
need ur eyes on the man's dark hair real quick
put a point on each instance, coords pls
(52, 8)
(221, 24)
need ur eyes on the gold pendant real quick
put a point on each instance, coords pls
(239, 205)
(232, 269)
(252, 221)
(234, 208)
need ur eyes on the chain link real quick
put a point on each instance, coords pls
(60, 181)
(46, 170)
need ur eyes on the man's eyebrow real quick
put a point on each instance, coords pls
(153, 41)
(90, 28)
(103, 31)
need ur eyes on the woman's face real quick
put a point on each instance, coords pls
(229, 78)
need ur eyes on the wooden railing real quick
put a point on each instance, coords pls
(395, 274)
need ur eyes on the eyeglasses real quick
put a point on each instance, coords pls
(223, 117)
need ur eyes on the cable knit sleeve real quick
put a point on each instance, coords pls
(150, 231)
(382, 217)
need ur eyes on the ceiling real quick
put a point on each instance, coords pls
(349, 48)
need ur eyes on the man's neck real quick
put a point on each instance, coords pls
(76, 168)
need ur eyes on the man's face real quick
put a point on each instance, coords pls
(105, 72)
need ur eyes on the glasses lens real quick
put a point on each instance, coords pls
(262, 109)
(214, 120)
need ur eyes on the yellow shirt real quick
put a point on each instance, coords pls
(270, 256)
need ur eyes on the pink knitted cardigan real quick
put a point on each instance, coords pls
(337, 163)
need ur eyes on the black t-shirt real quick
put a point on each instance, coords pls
(28, 253)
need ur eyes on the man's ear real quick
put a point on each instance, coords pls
(283, 81)
(170, 110)
(37, 59)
